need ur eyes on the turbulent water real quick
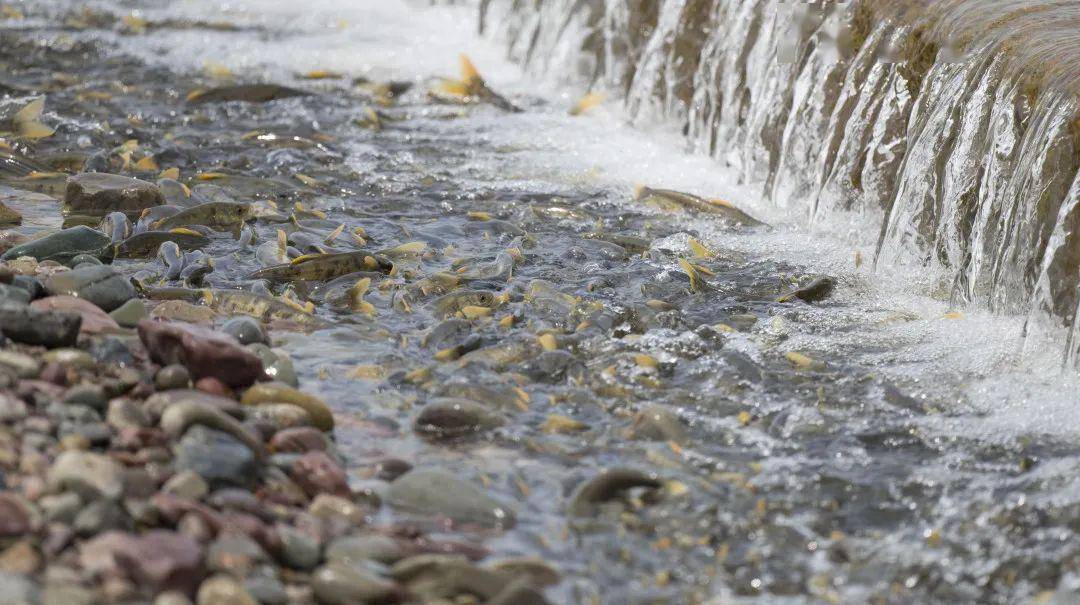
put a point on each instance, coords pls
(953, 123)
(891, 444)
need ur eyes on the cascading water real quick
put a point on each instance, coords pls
(953, 121)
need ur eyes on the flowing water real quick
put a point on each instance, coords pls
(894, 443)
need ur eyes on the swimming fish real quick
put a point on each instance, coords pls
(471, 88)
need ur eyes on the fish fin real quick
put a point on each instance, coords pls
(148, 164)
(469, 74)
(453, 88)
(172, 173)
(184, 231)
(641, 192)
(586, 103)
(34, 130)
(305, 258)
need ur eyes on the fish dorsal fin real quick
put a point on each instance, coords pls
(306, 257)
(719, 202)
(30, 112)
(184, 231)
(469, 73)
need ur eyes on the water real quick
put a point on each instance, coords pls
(928, 457)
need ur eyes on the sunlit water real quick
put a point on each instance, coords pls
(931, 458)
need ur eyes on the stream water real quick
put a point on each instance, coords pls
(892, 443)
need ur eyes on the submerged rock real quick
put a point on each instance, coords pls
(276, 392)
(49, 329)
(342, 584)
(218, 457)
(436, 493)
(94, 319)
(64, 245)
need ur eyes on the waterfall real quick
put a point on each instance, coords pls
(954, 121)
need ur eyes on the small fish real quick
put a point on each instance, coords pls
(21, 118)
(143, 245)
(455, 302)
(471, 88)
(227, 216)
(237, 302)
(323, 267)
(697, 283)
(819, 289)
(116, 225)
(670, 201)
(173, 258)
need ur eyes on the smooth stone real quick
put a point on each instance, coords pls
(518, 593)
(299, 440)
(450, 418)
(60, 508)
(113, 352)
(266, 588)
(246, 330)
(171, 377)
(180, 310)
(326, 506)
(275, 392)
(94, 320)
(20, 557)
(433, 492)
(15, 517)
(234, 553)
(204, 352)
(63, 245)
(354, 550)
(439, 576)
(45, 328)
(217, 457)
(316, 473)
(23, 365)
(92, 476)
(90, 395)
(72, 358)
(67, 593)
(32, 285)
(101, 285)
(172, 597)
(202, 410)
(338, 584)
(298, 549)
(18, 589)
(280, 416)
(84, 260)
(186, 484)
(13, 295)
(656, 423)
(96, 517)
(129, 313)
(161, 560)
(12, 409)
(98, 193)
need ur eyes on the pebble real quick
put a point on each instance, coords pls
(23, 365)
(216, 456)
(172, 597)
(99, 284)
(92, 476)
(298, 549)
(280, 416)
(129, 313)
(12, 408)
(15, 518)
(98, 193)
(275, 392)
(173, 376)
(434, 492)
(235, 554)
(326, 506)
(71, 358)
(45, 328)
(179, 416)
(62, 245)
(31, 284)
(90, 395)
(246, 330)
(161, 560)
(316, 473)
(124, 412)
(354, 550)
(203, 352)
(437, 576)
(187, 484)
(94, 320)
(18, 589)
(340, 584)
(14, 295)
(299, 440)
(266, 588)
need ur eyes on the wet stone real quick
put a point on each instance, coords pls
(45, 328)
(340, 584)
(90, 395)
(97, 194)
(18, 589)
(92, 476)
(23, 365)
(299, 440)
(186, 484)
(15, 518)
(205, 353)
(14, 295)
(355, 550)
(316, 473)
(223, 590)
(235, 554)
(30, 284)
(94, 319)
(161, 560)
(101, 285)
(71, 358)
(173, 376)
(63, 245)
(656, 423)
(298, 550)
(450, 418)
(275, 392)
(217, 457)
(129, 313)
(246, 330)
(434, 493)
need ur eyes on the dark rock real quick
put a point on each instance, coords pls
(217, 457)
(45, 328)
(98, 193)
(340, 584)
(449, 418)
(99, 284)
(31, 284)
(204, 352)
(13, 295)
(389, 469)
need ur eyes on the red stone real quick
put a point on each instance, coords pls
(316, 473)
(94, 320)
(202, 351)
(299, 440)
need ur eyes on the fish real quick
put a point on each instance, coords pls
(237, 302)
(456, 302)
(323, 267)
(173, 258)
(356, 297)
(143, 245)
(668, 200)
(116, 225)
(21, 117)
(586, 103)
(819, 289)
(471, 88)
(246, 93)
(226, 216)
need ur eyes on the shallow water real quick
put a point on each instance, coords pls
(929, 455)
